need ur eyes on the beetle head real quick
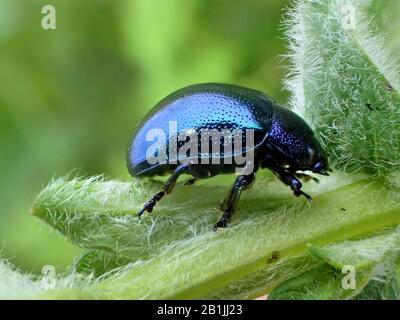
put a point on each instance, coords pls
(317, 159)
(294, 144)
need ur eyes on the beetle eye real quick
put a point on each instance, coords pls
(318, 166)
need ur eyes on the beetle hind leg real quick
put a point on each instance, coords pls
(149, 205)
(229, 204)
(194, 170)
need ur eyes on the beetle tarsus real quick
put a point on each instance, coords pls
(223, 223)
(298, 193)
(290, 180)
(149, 205)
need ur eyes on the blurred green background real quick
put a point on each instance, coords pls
(70, 98)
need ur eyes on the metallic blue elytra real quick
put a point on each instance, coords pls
(282, 141)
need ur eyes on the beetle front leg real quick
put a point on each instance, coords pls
(290, 179)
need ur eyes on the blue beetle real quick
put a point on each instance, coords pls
(281, 141)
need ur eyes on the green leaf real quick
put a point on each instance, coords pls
(14, 285)
(346, 84)
(271, 228)
(321, 283)
(368, 259)
(381, 289)
(98, 263)
(361, 253)
(100, 215)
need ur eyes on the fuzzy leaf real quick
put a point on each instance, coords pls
(345, 84)
(381, 289)
(360, 253)
(14, 285)
(369, 258)
(321, 283)
(98, 263)
(185, 259)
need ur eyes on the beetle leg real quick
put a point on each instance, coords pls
(229, 204)
(196, 171)
(168, 187)
(289, 179)
(149, 205)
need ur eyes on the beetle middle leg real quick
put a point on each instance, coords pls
(228, 206)
(197, 171)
